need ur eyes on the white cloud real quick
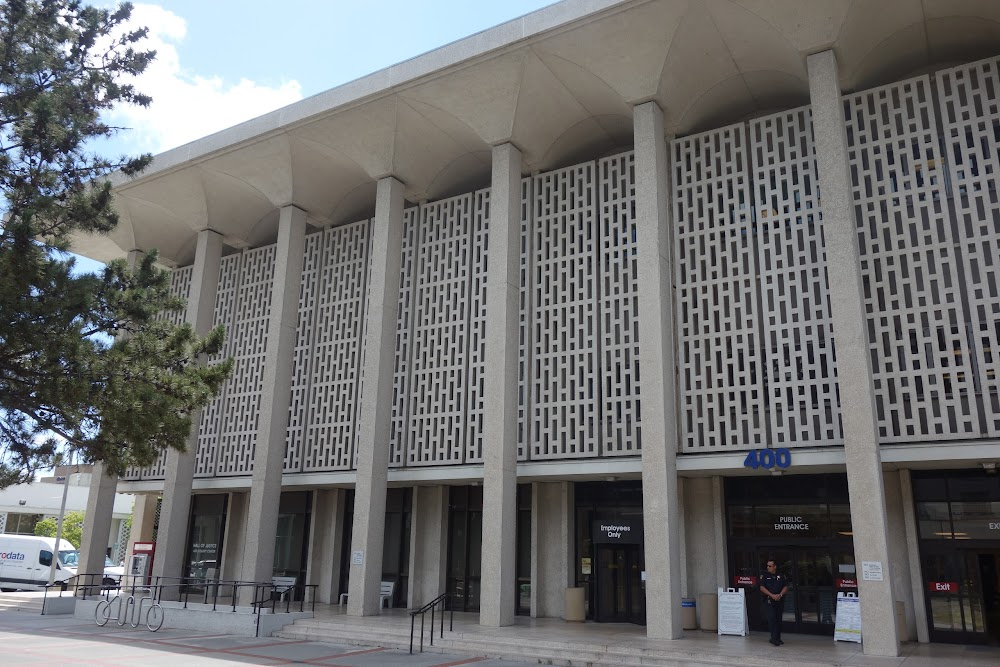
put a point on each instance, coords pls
(187, 105)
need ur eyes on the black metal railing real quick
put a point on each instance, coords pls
(439, 601)
(83, 585)
(212, 591)
(190, 589)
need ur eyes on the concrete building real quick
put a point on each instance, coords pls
(621, 295)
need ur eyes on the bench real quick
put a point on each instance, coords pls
(283, 585)
(385, 591)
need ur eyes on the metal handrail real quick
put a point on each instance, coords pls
(431, 606)
(262, 592)
(83, 584)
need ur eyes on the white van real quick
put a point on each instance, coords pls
(25, 561)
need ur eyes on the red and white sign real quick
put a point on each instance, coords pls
(143, 547)
(942, 586)
(744, 580)
(847, 583)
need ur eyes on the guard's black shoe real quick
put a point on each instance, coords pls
(773, 642)
(780, 642)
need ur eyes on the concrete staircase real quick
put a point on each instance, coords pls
(546, 651)
(28, 602)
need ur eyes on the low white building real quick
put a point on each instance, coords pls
(24, 505)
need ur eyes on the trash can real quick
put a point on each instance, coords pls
(574, 605)
(689, 614)
(709, 605)
(904, 635)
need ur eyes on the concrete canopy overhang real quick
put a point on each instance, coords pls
(558, 83)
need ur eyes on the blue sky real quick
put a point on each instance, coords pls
(323, 44)
(222, 62)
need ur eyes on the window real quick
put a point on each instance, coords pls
(22, 524)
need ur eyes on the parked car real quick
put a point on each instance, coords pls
(112, 573)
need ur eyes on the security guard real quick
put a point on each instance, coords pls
(774, 586)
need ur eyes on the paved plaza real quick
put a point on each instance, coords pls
(28, 638)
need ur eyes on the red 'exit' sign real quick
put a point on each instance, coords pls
(942, 586)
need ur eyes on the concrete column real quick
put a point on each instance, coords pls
(702, 542)
(143, 517)
(861, 450)
(235, 533)
(553, 546)
(719, 528)
(898, 555)
(171, 538)
(276, 385)
(375, 413)
(913, 558)
(499, 559)
(682, 503)
(97, 526)
(654, 229)
(428, 544)
(326, 543)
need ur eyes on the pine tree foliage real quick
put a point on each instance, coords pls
(89, 360)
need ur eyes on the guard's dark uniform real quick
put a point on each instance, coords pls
(774, 583)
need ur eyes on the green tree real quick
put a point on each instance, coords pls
(72, 528)
(87, 360)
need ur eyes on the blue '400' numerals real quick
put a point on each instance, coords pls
(768, 458)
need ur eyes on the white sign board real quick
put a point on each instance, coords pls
(871, 570)
(732, 612)
(847, 626)
(358, 557)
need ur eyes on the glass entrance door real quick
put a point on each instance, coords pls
(988, 564)
(963, 594)
(621, 597)
(815, 575)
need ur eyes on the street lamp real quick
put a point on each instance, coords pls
(59, 526)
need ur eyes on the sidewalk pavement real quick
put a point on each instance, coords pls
(28, 638)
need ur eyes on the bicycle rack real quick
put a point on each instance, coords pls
(129, 612)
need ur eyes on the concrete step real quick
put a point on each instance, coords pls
(20, 602)
(527, 650)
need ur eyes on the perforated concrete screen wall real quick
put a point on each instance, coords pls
(756, 359)
(330, 342)
(920, 353)
(719, 351)
(800, 364)
(970, 104)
